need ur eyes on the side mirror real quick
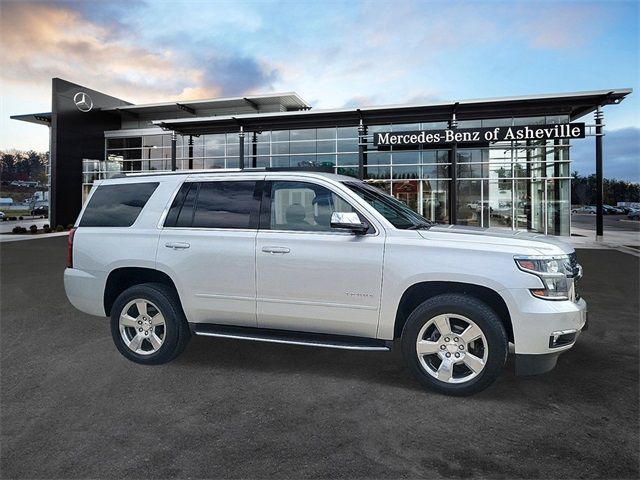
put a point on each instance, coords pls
(348, 221)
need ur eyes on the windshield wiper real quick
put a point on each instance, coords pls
(420, 226)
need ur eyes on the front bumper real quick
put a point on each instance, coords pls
(528, 364)
(542, 329)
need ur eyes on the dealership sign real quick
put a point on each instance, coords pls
(478, 135)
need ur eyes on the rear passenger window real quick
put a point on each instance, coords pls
(215, 205)
(185, 215)
(117, 205)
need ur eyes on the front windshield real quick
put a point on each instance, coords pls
(398, 213)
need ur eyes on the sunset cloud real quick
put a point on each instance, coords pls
(332, 53)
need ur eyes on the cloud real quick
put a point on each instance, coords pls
(559, 26)
(45, 40)
(621, 154)
(238, 75)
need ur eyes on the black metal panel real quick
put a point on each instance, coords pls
(75, 135)
(599, 178)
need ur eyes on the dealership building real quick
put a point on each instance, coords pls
(499, 162)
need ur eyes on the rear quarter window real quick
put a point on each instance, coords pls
(117, 205)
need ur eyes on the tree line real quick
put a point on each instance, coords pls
(583, 190)
(23, 165)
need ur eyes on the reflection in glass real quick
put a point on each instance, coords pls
(469, 205)
(407, 192)
(435, 200)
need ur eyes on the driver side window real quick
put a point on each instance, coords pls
(303, 206)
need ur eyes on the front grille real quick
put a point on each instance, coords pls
(573, 260)
(576, 273)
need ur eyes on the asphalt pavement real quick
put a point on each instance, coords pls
(611, 223)
(73, 407)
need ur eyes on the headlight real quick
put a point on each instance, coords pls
(552, 271)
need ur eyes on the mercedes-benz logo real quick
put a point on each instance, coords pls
(83, 101)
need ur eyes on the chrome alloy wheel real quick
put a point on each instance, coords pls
(452, 348)
(142, 326)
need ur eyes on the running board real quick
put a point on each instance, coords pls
(344, 342)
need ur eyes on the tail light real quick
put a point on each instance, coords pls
(72, 232)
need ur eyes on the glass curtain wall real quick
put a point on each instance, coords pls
(512, 185)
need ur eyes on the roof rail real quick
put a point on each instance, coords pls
(323, 169)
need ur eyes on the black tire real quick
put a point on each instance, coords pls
(473, 309)
(176, 331)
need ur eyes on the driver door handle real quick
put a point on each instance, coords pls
(177, 245)
(274, 250)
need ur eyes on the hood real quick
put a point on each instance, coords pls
(511, 239)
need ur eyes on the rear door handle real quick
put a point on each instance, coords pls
(177, 245)
(272, 250)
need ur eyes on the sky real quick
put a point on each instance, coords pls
(333, 53)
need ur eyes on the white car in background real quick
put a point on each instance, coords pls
(588, 209)
(321, 260)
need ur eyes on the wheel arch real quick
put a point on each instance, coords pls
(419, 292)
(122, 278)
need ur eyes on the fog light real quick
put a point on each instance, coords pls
(562, 338)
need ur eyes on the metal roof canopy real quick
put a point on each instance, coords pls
(39, 118)
(575, 105)
(288, 100)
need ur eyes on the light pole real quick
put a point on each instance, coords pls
(149, 156)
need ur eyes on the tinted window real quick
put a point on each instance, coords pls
(185, 212)
(226, 205)
(304, 206)
(176, 206)
(215, 205)
(117, 205)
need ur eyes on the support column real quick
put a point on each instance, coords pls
(453, 188)
(241, 148)
(190, 152)
(362, 151)
(254, 150)
(599, 175)
(174, 143)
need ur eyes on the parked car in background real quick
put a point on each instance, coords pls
(634, 214)
(586, 209)
(2, 216)
(611, 210)
(41, 210)
(320, 260)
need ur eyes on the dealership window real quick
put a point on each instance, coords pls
(519, 185)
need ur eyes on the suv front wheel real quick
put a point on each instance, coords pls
(148, 325)
(455, 344)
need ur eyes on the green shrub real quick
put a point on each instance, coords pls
(20, 217)
(59, 228)
(46, 225)
(19, 229)
(33, 229)
(46, 229)
(70, 226)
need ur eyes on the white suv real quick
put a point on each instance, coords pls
(317, 259)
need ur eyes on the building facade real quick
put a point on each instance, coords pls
(502, 163)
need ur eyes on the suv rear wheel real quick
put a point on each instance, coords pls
(147, 324)
(455, 344)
